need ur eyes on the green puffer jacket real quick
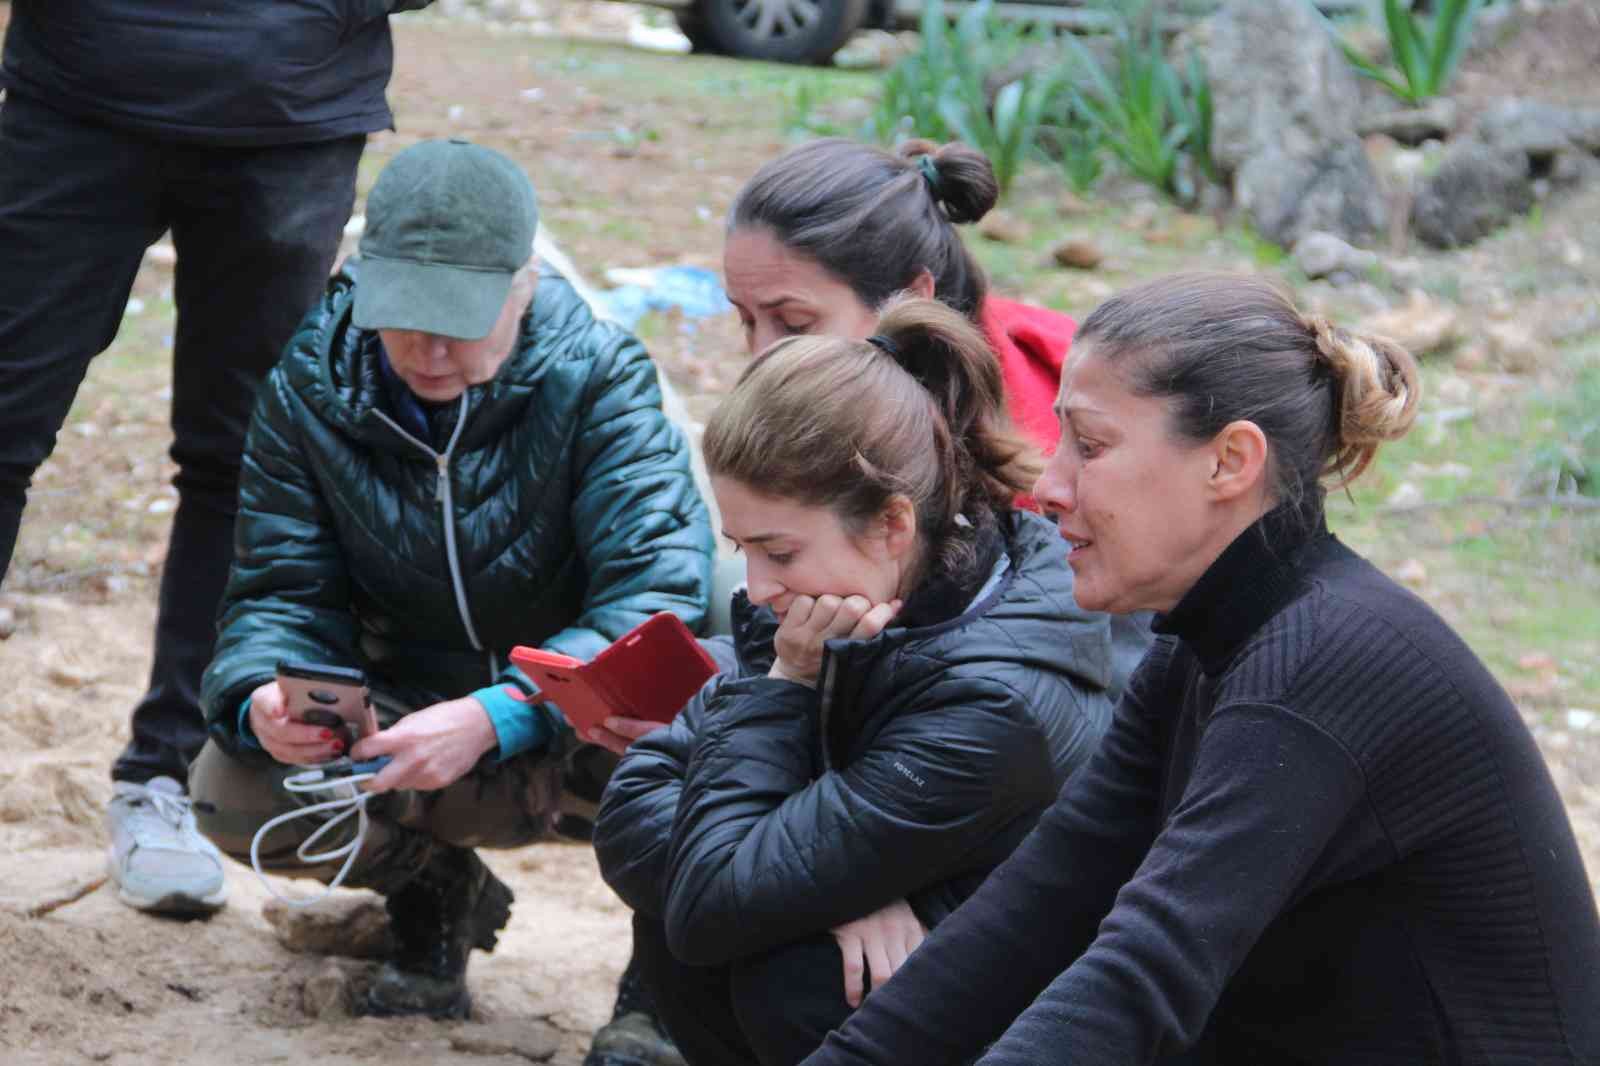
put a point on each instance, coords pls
(572, 515)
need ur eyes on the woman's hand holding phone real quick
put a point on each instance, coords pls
(813, 621)
(431, 748)
(617, 733)
(289, 741)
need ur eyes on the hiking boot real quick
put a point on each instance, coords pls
(453, 905)
(157, 858)
(633, 1036)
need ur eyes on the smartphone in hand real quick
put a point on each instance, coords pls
(334, 697)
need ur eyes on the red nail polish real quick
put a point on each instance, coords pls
(338, 746)
(327, 734)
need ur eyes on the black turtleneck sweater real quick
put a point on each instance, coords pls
(1317, 832)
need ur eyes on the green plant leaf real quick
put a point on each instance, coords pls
(1403, 41)
(1452, 28)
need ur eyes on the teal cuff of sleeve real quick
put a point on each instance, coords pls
(520, 727)
(247, 736)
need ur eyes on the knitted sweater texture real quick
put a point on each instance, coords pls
(1317, 832)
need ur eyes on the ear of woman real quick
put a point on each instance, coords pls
(922, 285)
(1239, 453)
(898, 524)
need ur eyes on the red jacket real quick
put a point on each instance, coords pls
(1032, 344)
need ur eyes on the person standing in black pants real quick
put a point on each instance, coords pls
(238, 126)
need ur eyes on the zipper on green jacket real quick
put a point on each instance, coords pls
(441, 461)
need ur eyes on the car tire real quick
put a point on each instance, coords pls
(693, 26)
(784, 31)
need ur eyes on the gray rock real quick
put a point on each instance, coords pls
(356, 926)
(1286, 110)
(329, 992)
(1335, 192)
(1278, 81)
(1412, 126)
(1475, 190)
(1537, 129)
(1573, 167)
(1322, 255)
(530, 1040)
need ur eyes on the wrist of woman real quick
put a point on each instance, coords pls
(778, 673)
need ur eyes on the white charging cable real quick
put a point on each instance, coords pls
(348, 800)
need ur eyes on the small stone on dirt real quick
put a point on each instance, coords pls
(1070, 203)
(1412, 573)
(328, 993)
(1514, 346)
(1003, 228)
(8, 623)
(356, 926)
(1321, 255)
(69, 675)
(1078, 255)
(1538, 662)
(1406, 494)
(1422, 326)
(1581, 719)
(531, 1040)
(162, 254)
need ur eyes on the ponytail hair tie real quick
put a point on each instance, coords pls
(930, 174)
(885, 344)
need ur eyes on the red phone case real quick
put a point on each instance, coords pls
(650, 673)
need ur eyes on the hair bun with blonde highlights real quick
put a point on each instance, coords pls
(1378, 390)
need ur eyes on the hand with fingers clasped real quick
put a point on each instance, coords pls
(877, 945)
(811, 622)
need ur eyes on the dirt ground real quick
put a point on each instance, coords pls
(636, 160)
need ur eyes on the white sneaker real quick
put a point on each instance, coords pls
(158, 858)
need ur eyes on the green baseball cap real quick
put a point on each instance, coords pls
(449, 223)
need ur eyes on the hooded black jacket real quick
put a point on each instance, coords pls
(770, 811)
(221, 72)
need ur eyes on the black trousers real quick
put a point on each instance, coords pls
(256, 230)
(772, 1009)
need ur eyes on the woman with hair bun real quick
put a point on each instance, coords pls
(914, 683)
(1318, 830)
(824, 235)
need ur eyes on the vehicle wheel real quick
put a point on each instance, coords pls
(693, 26)
(786, 31)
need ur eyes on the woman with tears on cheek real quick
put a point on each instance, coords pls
(891, 728)
(1317, 831)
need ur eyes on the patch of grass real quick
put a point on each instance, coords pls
(1513, 581)
(1263, 252)
(1565, 457)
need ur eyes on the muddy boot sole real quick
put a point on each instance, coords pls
(398, 994)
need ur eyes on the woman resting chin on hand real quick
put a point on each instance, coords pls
(890, 731)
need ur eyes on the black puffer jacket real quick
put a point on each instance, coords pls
(769, 811)
(226, 72)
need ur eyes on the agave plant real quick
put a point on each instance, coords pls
(1425, 56)
(1144, 110)
(938, 92)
